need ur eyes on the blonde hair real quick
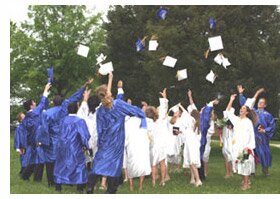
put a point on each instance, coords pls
(196, 115)
(101, 93)
(18, 117)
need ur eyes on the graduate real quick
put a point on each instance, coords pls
(110, 118)
(137, 152)
(70, 164)
(51, 120)
(20, 139)
(207, 151)
(31, 123)
(244, 141)
(227, 150)
(264, 129)
(157, 121)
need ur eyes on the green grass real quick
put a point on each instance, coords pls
(179, 183)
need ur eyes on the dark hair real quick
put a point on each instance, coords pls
(228, 123)
(27, 104)
(196, 115)
(57, 100)
(151, 112)
(93, 102)
(252, 115)
(73, 108)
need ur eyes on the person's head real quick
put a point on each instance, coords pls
(245, 111)
(29, 105)
(196, 115)
(104, 96)
(143, 106)
(129, 101)
(57, 100)
(73, 108)
(175, 116)
(262, 103)
(20, 116)
(93, 102)
(151, 112)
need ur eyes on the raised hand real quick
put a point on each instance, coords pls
(47, 87)
(120, 84)
(189, 92)
(87, 95)
(232, 97)
(88, 82)
(163, 93)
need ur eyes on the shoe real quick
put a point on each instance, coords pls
(102, 187)
(198, 184)
(162, 184)
(244, 188)
(192, 182)
(58, 188)
(89, 191)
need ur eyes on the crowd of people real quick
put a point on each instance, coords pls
(108, 139)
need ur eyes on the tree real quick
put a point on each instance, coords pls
(50, 38)
(251, 42)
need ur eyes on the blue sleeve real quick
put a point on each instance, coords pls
(120, 96)
(73, 98)
(127, 109)
(242, 100)
(43, 104)
(270, 129)
(84, 133)
(205, 119)
(99, 127)
(17, 138)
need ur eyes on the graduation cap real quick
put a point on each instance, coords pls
(83, 50)
(153, 44)
(215, 43)
(140, 45)
(100, 58)
(161, 13)
(221, 60)
(212, 23)
(106, 68)
(182, 74)
(211, 77)
(169, 61)
(175, 108)
(50, 74)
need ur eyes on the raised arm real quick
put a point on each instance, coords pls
(43, 104)
(109, 86)
(242, 98)
(120, 94)
(163, 104)
(192, 106)
(84, 110)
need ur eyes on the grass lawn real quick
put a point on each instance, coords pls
(179, 183)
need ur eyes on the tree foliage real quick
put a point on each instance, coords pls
(251, 41)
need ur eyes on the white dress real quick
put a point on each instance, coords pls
(137, 148)
(158, 134)
(244, 137)
(210, 132)
(90, 119)
(192, 142)
(227, 138)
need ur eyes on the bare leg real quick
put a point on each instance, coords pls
(103, 183)
(192, 176)
(125, 175)
(130, 184)
(196, 176)
(141, 181)
(162, 172)
(205, 168)
(154, 175)
(167, 177)
(245, 185)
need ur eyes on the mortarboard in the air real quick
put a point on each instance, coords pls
(106, 68)
(215, 43)
(153, 44)
(50, 74)
(212, 23)
(169, 61)
(140, 45)
(100, 58)
(161, 13)
(182, 74)
(211, 77)
(83, 50)
(226, 63)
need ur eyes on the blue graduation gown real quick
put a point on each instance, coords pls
(266, 120)
(108, 160)
(51, 120)
(20, 139)
(30, 123)
(70, 164)
(204, 126)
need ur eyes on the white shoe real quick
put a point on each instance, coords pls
(192, 182)
(198, 184)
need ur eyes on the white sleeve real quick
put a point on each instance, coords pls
(83, 110)
(120, 91)
(191, 107)
(211, 129)
(250, 102)
(163, 108)
(251, 141)
(231, 116)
